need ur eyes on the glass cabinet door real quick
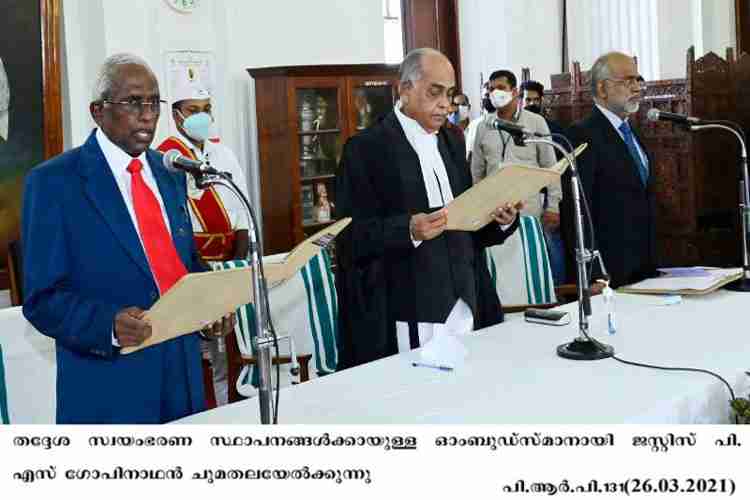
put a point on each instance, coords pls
(371, 100)
(319, 131)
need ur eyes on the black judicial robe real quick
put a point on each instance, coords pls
(381, 277)
(623, 208)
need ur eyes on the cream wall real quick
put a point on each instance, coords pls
(719, 29)
(241, 33)
(658, 31)
(498, 34)
(503, 34)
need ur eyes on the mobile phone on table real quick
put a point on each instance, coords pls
(546, 316)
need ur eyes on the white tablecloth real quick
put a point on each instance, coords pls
(513, 375)
(30, 367)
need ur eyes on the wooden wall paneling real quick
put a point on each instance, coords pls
(670, 148)
(448, 35)
(715, 159)
(51, 43)
(276, 188)
(742, 16)
(433, 23)
(711, 97)
(558, 99)
(740, 76)
(419, 19)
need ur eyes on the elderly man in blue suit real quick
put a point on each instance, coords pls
(105, 232)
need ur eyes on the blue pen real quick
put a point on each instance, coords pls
(437, 367)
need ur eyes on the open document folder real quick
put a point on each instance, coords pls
(472, 210)
(278, 272)
(698, 281)
(199, 299)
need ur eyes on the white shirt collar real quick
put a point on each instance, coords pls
(117, 159)
(410, 125)
(615, 120)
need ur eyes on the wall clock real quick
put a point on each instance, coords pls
(184, 6)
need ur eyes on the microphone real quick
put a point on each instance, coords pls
(174, 160)
(657, 114)
(516, 131)
(513, 129)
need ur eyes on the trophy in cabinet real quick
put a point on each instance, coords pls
(364, 109)
(307, 119)
(319, 123)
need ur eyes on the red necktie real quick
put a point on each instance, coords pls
(166, 265)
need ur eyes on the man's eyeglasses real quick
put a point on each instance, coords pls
(139, 106)
(632, 82)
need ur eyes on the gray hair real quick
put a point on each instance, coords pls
(105, 78)
(411, 67)
(600, 71)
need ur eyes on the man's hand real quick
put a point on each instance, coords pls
(220, 328)
(551, 220)
(505, 215)
(130, 329)
(428, 226)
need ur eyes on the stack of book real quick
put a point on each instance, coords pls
(686, 281)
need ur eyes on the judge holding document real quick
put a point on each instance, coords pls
(106, 232)
(402, 277)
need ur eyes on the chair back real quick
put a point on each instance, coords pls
(304, 307)
(28, 371)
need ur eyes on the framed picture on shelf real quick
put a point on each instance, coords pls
(323, 207)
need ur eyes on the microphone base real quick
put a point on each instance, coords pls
(585, 350)
(741, 285)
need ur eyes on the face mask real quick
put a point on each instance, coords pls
(534, 108)
(463, 113)
(454, 118)
(197, 126)
(501, 98)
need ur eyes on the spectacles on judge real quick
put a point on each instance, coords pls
(139, 106)
(632, 82)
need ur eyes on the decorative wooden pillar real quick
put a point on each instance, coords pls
(433, 23)
(742, 15)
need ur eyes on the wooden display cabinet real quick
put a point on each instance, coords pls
(305, 115)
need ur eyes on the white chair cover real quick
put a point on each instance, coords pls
(520, 267)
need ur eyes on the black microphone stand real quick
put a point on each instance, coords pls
(265, 337)
(743, 284)
(583, 347)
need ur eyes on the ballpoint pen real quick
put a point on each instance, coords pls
(437, 367)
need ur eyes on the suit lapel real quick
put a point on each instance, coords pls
(173, 203)
(101, 188)
(409, 170)
(613, 137)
